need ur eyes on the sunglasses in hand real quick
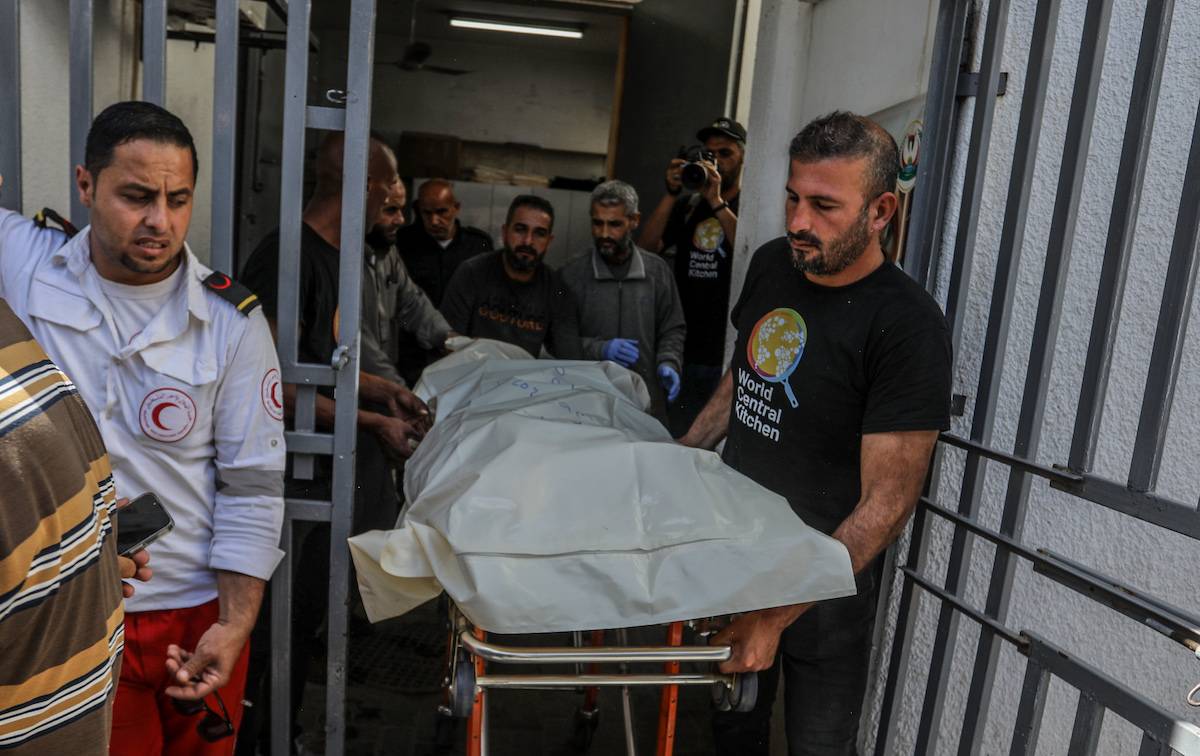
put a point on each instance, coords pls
(214, 726)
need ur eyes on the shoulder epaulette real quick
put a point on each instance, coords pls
(232, 292)
(47, 215)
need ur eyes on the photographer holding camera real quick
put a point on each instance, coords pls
(696, 230)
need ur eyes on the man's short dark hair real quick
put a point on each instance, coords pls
(126, 121)
(530, 200)
(846, 135)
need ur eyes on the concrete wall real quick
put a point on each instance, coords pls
(840, 52)
(865, 56)
(45, 85)
(674, 84)
(1143, 556)
(190, 96)
(553, 98)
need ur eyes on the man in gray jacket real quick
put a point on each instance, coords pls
(393, 303)
(629, 309)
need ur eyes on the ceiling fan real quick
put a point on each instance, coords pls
(417, 53)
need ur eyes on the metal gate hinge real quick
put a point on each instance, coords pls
(968, 84)
(340, 357)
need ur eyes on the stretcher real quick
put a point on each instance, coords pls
(476, 666)
(545, 500)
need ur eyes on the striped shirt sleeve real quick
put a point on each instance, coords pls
(61, 615)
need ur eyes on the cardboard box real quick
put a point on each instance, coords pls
(429, 155)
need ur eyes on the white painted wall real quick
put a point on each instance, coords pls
(45, 91)
(851, 61)
(1144, 556)
(532, 95)
(866, 56)
(190, 96)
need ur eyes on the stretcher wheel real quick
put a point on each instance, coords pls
(462, 692)
(744, 695)
(741, 696)
(584, 729)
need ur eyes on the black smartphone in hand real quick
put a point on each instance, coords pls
(141, 523)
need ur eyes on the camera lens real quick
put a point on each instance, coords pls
(693, 176)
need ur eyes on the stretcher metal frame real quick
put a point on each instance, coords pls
(469, 678)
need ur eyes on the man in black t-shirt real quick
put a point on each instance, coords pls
(391, 419)
(396, 416)
(697, 232)
(836, 392)
(511, 295)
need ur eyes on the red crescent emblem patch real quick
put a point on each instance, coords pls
(167, 415)
(223, 283)
(271, 394)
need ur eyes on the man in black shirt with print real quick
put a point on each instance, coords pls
(837, 388)
(696, 231)
(511, 295)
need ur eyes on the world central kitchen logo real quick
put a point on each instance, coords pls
(774, 349)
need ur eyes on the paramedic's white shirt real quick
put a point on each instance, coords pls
(133, 307)
(188, 408)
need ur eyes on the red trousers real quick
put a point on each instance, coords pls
(145, 722)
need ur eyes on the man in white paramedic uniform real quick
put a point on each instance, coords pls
(177, 365)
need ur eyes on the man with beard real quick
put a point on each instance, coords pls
(697, 231)
(394, 306)
(511, 295)
(836, 391)
(629, 309)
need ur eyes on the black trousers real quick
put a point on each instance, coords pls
(823, 658)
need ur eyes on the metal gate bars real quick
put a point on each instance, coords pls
(1136, 497)
(342, 373)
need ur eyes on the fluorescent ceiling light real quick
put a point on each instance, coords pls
(484, 24)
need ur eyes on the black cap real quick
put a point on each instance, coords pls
(723, 127)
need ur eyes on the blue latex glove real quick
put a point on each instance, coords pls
(669, 380)
(621, 351)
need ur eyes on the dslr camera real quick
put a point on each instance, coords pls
(693, 175)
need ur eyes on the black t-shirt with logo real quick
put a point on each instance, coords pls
(703, 270)
(482, 302)
(816, 367)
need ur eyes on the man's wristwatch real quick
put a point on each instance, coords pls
(720, 207)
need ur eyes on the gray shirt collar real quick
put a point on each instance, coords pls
(637, 266)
